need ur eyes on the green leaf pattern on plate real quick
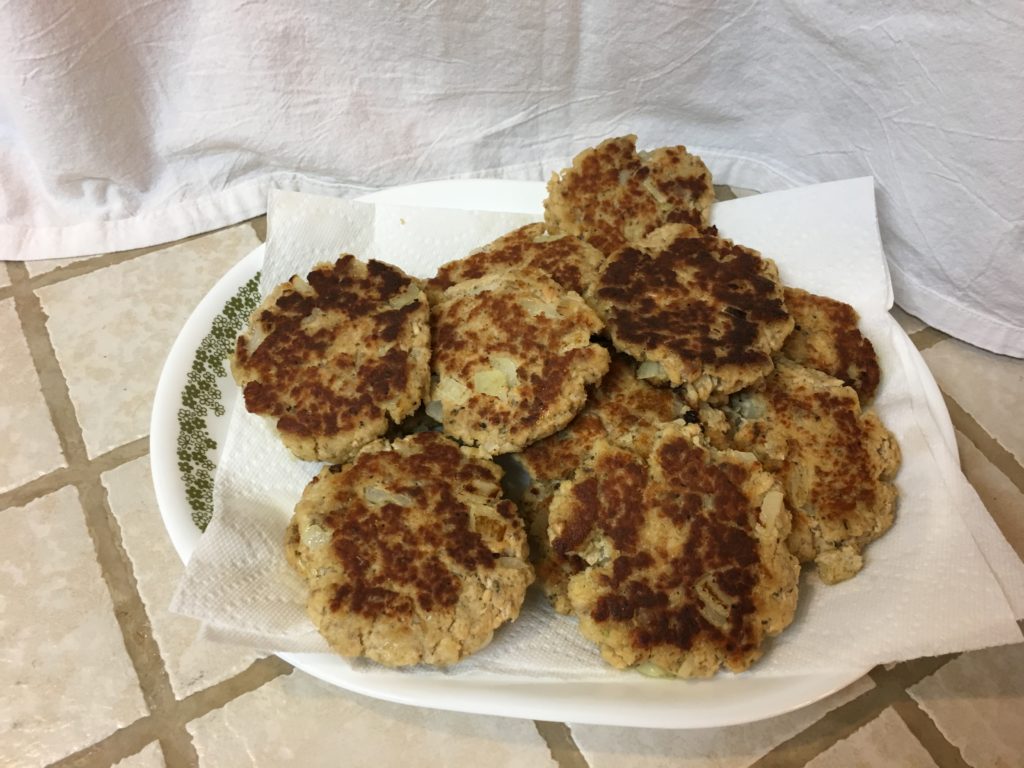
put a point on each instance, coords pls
(202, 397)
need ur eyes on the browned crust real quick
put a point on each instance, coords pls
(551, 462)
(710, 312)
(826, 337)
(613, 195)
(480, 321)
(334, 359)
(621, 409)
(687, 570)
(567, 260)
(836, 463)
(417, 536)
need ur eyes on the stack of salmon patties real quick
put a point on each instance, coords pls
(686, 429)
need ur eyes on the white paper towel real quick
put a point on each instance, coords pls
(927, 587)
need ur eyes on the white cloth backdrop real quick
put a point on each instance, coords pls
(124, 124)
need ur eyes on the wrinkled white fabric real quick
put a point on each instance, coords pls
(124, 123)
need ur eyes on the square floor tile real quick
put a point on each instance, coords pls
(192, 663)
(66, 677)
(31, 445)
(112, 329)
(296, 720)
(986, 385)
(732, 747)
(977, 702)
(886, 740)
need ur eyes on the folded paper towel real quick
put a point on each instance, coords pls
(943, 579)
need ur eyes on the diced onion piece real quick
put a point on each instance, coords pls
(435, 410)
(714, 606)
(488, 525)
(451, 390)
(376, 495)
(650, 369)
(536, 307)
(650, 669)
(508, 367)
(656, 193)
(408, 296)
(511, 562)
(771, 505)
(598, 551)
(750, 407)
(315, 317)
(314, 536)
(490, 382)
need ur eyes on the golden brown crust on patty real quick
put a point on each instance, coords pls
(410, 553)
(512, 358)
(624, 410)
(836, 463)
(621, 409)
(675, 550)
(687, 568)
(613, 195)
(632, 410)
(336, 358)
(567, 260)
(826, 337)
(703, 312)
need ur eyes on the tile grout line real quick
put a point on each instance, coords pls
(909, 673)
(103, 528)
(122, 743)
(927, 337)
(844, 721)
(257, 674)
(88, 264)
(51, 378)
(990, 448)
(920, 723)
(723, 193)
(562, 746)
(826, 732)
(132, 617)
(58, 478)
(987, 445)
(927, 733)
(126, 741)
(175, 739)
(259, 226)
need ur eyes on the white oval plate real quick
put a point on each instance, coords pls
(188, 426)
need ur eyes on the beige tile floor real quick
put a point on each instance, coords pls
(97, 672)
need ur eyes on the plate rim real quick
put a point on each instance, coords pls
(530, 698)
(172, 503)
